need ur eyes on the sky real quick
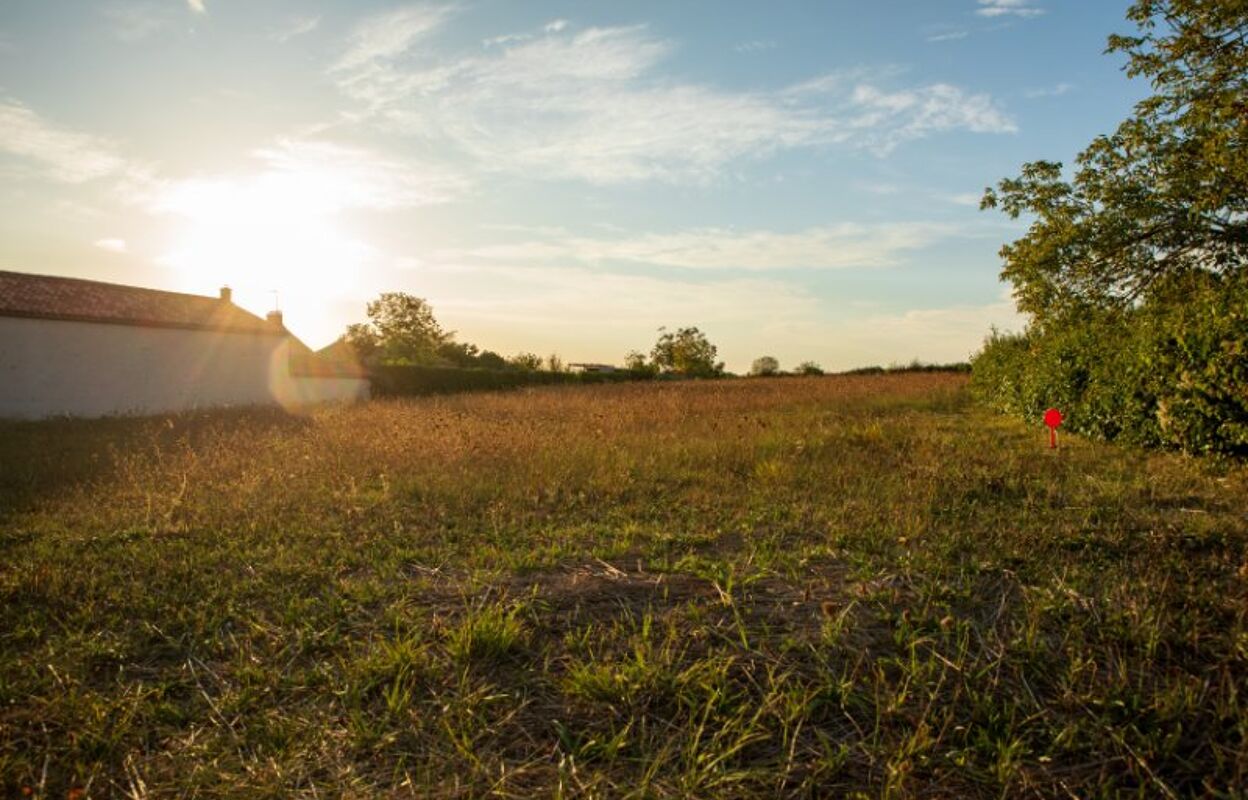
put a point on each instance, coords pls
(796, 179)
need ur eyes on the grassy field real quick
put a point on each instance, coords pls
(751, 588)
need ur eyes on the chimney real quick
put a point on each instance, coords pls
(227, 294)
(275, 319)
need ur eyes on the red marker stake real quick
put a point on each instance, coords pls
(1053, 418)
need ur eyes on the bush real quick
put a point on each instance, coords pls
(1171, 372)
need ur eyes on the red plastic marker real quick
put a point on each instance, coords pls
(1053, 418)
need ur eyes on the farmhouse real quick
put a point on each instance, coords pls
(596, 368)
(89, 349)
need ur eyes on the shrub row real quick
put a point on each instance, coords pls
(913, 366)
(399, 381)
(1171, 372)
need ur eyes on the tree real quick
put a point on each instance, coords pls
(764, 366)
(1133, 268)
(488, 359)
(1165, 195)
(526, 361)
(635, 361)
(555, 364)
(686, 352)
(363, 341)
(460, 355)
(809, 368)
(401, 330)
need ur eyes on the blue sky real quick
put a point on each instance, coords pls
(797, 179)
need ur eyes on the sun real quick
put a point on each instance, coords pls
(279, 230)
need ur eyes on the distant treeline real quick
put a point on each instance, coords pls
(403, 380)
(913, 366)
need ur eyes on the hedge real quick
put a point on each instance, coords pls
(401, 381)
(1171, 372)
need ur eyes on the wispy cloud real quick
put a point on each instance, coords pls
(901, 116)
(352, 177)
(1049, 91)
(112, 245)
(755, 46)
(947, 36)
(197, 6)
(323, 177)
(387, 35)
(64, 154)
(555, 25)
(506, 38)
(594, 105)
(968, 199)
(552, 299)
(1000, 8)
(135, 22)
(836, 246)
(297, 26)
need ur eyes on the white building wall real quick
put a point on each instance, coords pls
(53, 367)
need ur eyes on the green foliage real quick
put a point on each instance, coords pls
(913, 366)
(686, 352)
(401, 330)
(809, 368)
(1165, 194)
(636, 362)
(1132, 269)
(491, 633)
(765, 366)
(526, 361)
(1172, 373)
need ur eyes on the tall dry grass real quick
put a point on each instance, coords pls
(790, 587)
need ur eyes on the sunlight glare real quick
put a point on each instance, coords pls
(279, 230)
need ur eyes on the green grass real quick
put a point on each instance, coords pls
(841, 586)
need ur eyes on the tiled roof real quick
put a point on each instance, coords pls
(48, 297)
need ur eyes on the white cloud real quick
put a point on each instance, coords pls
(111, 245)
(947, 36)
(999, 8)
(315, 178)
(841, 245)
(297, 26)
(900, 116)
(970, 199)
(197, 6)
(506, 38)
(1049, 91)
(65, 154)
(555, 25)
(385, 36)
(136, 22)
(755, 46)
(593, 105)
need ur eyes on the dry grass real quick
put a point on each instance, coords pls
(797, 587)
